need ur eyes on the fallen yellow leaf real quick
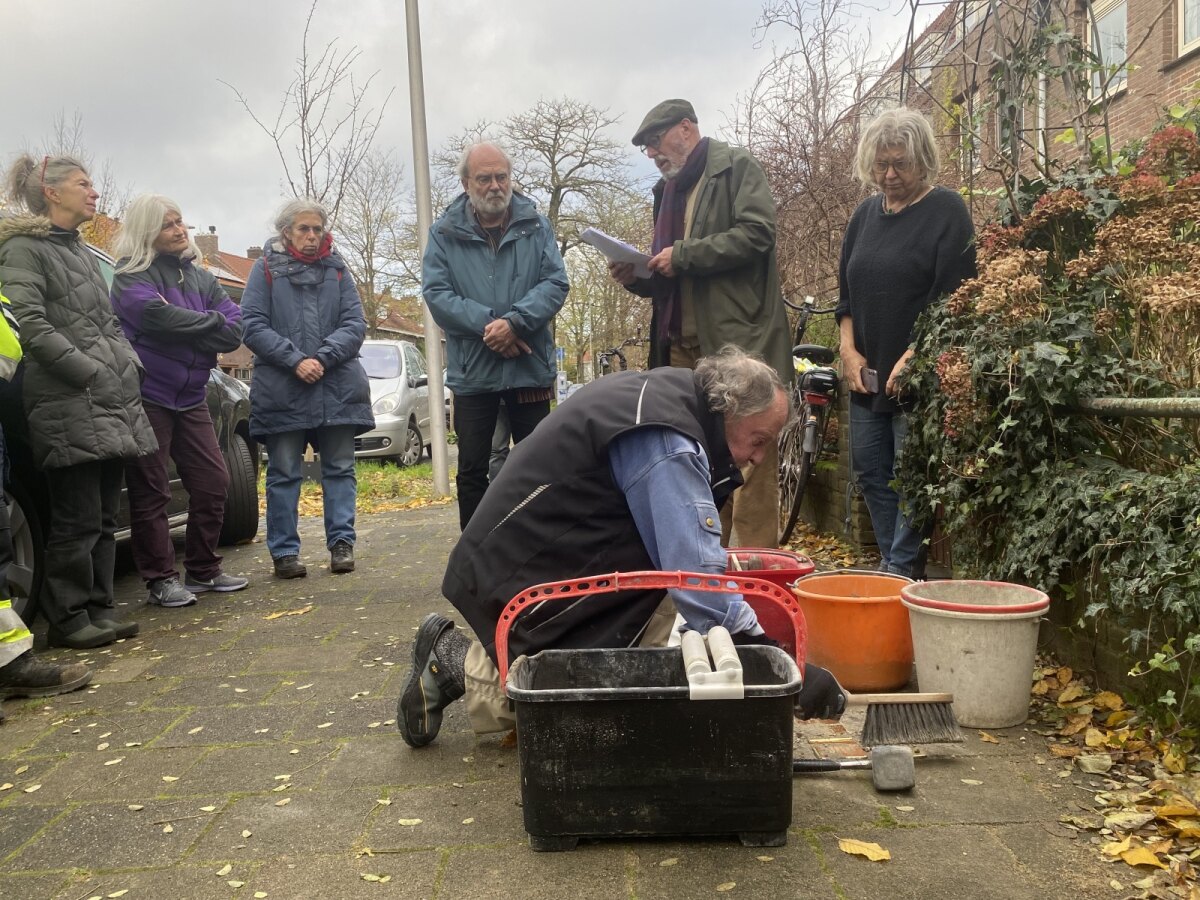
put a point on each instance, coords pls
(725, 886)
(1094, 737)
(1076, 724)
(871, 851)
(1116, 848)
(988, 738)
(1108, 700)
(1175, 760)
(1142, 856)
(289, 612)
(1064, 751)
(1072, 691)
(1176, 809)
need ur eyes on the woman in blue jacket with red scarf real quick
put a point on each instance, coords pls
(178, 318)
(304, 322)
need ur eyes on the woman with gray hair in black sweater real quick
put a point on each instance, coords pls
(904, 247)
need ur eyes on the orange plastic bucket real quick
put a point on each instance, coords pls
(858, 628)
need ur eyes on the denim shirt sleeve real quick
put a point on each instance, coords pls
(664, 476)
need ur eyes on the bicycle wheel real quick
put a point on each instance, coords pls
(794, 469)
(798, 469)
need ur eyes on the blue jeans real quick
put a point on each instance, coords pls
(339, 486)
(875, 441)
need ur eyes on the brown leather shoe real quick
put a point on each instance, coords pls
(28, 676)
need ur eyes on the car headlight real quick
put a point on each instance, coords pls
(385, 406)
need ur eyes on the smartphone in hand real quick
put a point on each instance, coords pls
(870, 380)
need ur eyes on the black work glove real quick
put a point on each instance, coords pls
(821, 697)
(746, 639)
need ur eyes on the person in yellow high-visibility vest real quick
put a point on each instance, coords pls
(21, 673)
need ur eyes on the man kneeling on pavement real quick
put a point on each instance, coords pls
(628, 475)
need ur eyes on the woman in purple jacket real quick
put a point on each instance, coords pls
(177, 317)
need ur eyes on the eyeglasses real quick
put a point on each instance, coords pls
(653, 142)
(501, 178)
(900, 165)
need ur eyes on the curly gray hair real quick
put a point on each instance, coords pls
(899, 127)
(738, 384)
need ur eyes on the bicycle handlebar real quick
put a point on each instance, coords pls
(809, 306)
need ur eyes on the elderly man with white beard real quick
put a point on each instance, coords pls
(494, 281)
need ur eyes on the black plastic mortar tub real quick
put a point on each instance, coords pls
(610, 745)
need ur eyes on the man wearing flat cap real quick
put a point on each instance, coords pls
(714, 278)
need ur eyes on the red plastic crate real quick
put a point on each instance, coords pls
(778, 611)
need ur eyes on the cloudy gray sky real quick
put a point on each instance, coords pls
(145, 77)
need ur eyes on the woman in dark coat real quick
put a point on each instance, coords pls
(304, 321)
(904, 247)
(178, 317)
(81, 392)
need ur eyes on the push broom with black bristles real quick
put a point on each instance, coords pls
(908, 719)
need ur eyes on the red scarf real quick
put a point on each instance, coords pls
(322, 251)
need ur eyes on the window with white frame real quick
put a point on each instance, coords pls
(1189, 25)
(1107, 26)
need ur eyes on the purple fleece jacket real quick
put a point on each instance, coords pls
(178, 318)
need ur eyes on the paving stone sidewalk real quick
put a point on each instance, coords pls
(246, 747)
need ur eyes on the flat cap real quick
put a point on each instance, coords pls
(666, 114)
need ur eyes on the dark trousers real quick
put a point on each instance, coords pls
(475, 423)
(80, 548)
(187, 437)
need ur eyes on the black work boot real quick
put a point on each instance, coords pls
(341, 557)
(431, 685)
(289, 567)
(28, 676)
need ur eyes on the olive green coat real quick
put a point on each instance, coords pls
(727, 262)
(82, 379)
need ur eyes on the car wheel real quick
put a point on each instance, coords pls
(241, 503)
(414, 446)
(27, 569)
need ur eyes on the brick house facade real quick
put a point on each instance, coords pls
(953, 71)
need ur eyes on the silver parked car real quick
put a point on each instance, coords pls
(400, 401)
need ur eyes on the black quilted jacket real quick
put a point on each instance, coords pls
(82, 384)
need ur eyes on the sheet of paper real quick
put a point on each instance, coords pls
(617, 251)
